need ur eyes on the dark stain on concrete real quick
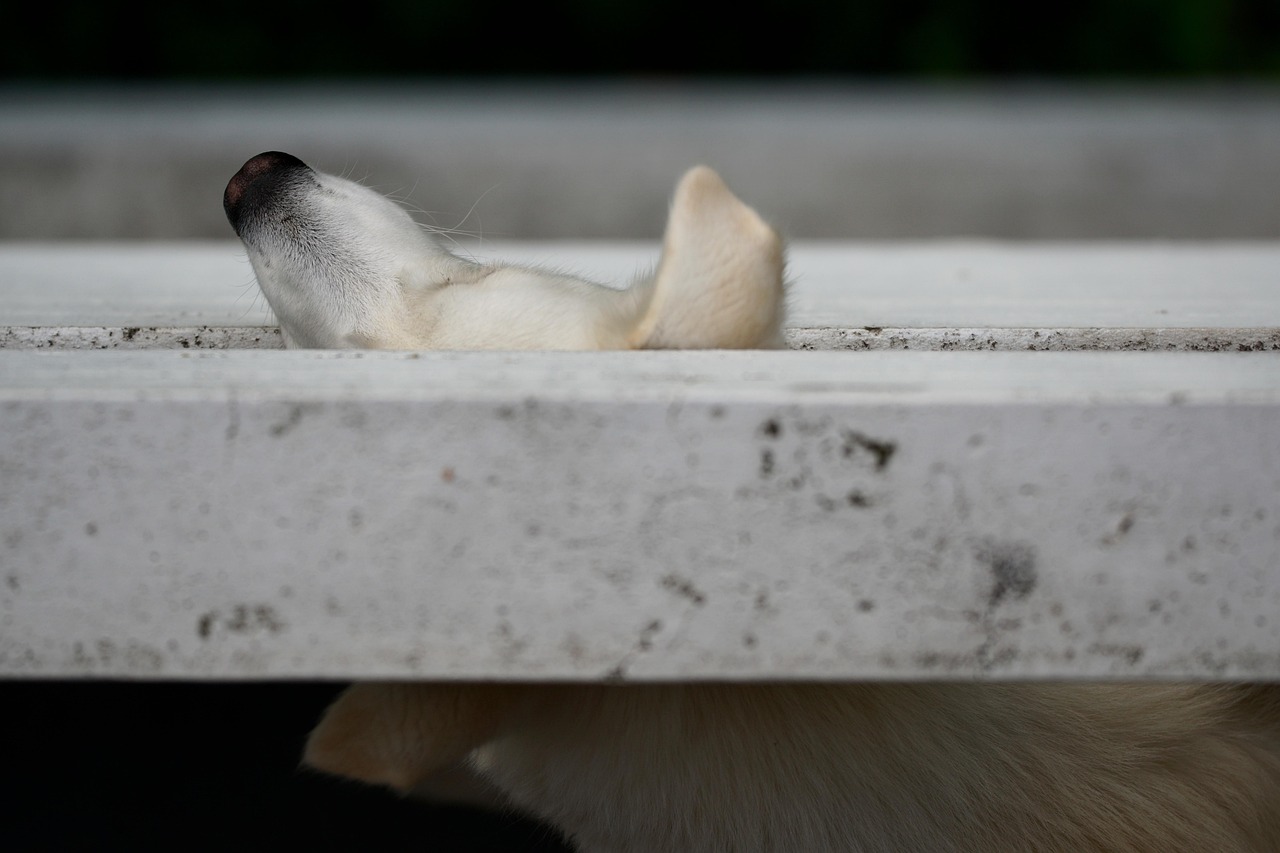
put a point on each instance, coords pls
(240, 619)
(290, 422)
(881, 451)
(684, 588)
(1013, 569)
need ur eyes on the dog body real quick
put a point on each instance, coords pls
(343, 266)
(874, 768)
(956, 768)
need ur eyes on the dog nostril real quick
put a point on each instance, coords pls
(266, 165)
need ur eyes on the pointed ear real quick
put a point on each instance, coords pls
(719, 283)
(397, 734)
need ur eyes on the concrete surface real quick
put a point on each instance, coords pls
(245, 514)
(949, 295)
(231, 513)
(588, 160)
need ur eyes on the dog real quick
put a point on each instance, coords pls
(871, 767)
(344, 267)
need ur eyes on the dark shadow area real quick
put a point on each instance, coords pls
(195, 766)
(934, 38)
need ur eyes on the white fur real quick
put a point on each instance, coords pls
(343, 266)
(872, 768)
(909, 768)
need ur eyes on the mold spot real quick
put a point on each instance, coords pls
(866, 605)
(1123, 526)
(287, 425)
(646, 636)
(749, 640)
(90, 529)
(881, 451)
(766, 463)
(241, 619)
(857, 500)
(685, 589)
(1131, 655)
(771, 429)
(1013, 569)
(763, 604)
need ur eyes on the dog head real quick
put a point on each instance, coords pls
(344, 266)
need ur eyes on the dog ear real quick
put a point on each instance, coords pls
(397, 734)
(720, 281)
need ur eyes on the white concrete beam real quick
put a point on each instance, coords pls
(845, 296)
(639, 515)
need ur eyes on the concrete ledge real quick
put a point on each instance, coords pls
(1033, 340)
(867, 338)
(639, 515)
(213, 511)
(948, 285)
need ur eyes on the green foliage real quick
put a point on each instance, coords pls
(927, 38)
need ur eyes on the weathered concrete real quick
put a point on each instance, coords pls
(855, 514)
(826, 338)
(639, 515)
(988, 339)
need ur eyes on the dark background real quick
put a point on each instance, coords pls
(205, 766)
(1161, 39)
(193, 766)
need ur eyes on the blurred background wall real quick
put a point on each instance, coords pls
(854, 120)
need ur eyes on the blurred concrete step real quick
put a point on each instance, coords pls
(599, 160)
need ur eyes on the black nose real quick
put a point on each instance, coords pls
(261, 172)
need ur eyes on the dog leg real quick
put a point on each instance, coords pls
(719, 284)
(399, 734)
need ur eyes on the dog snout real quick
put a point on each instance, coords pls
(262, 172)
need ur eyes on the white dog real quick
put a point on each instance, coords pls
(342, 266)
(970, 768)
